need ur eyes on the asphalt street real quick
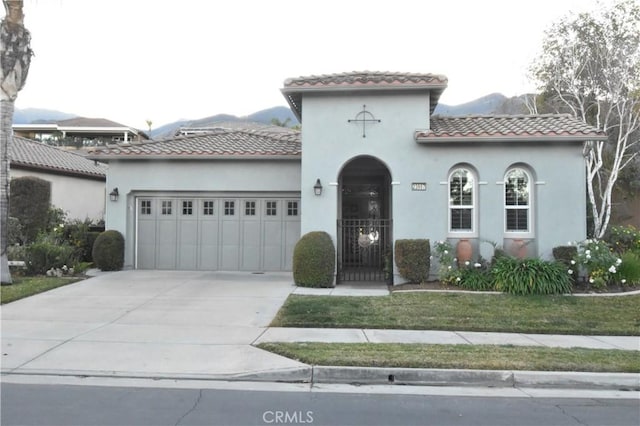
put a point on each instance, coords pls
(208, 403)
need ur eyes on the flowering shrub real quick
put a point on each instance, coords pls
(598, 262)
(624, 238)
(446, 259)
(470, 275)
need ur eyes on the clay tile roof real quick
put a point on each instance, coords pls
(221, 143)
(368, 78)
(27, 153)
(510, 127)
(363, 80)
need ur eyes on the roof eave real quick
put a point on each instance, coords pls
(438, 140)
(124, 157)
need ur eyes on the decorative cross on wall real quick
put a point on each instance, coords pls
(364, 117)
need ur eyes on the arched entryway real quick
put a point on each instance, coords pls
(364, 222)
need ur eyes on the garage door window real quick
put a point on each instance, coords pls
(166, 207)
(207, 208)
(272, 208)
(187, 208)
(229, 208)
(250, 208)
(145, 207)
(292, 208)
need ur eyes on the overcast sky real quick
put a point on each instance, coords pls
(133, 60)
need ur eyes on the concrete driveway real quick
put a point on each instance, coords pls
(148, 324)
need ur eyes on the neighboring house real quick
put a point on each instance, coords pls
(371, 165)
(77, 183)
(80, 132)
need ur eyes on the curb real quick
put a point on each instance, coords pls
(388, 376)
(486, 378)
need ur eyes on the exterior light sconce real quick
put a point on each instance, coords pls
(317, 188)
(113, 195)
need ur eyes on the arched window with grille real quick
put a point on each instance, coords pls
(518, 201)
(462, 201)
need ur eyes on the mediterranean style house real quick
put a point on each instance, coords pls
(371, 165)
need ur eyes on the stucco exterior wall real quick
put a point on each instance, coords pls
(164, 177)
(329, 142)
(79, 198)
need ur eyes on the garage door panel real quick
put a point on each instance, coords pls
(250, 245)
(272, 246)
(230, 245)
(188, 244)
(209, 243)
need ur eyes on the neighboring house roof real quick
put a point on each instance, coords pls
(225, 125)
(496, 128)
(223, 143)
(362, 81)
(34, 155)
(81, 125)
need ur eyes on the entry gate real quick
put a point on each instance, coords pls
(364, 250)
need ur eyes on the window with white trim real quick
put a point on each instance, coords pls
(517, 201)
(461, 200)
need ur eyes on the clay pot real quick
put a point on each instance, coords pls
(464, 251)
(518, 248)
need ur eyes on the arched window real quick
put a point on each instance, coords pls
(517, 201)
(462, 197)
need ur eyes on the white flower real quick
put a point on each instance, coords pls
(612, 269)
(449, 267)
(570, 272)
(588, 256)
(573, 262)
(619, 261)
(455, 259)
(623, 281)
(458, 279)
(591, 280)
(446, 252)
(477, 265)
(466, 263)
(587, 252)
(597, 247)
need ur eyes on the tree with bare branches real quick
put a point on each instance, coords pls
(590, 67)
(15, 58)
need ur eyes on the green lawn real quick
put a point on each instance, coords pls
(467, 312)
(28, 286)
(481, 357)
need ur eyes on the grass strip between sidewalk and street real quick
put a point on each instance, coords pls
(28, 286)
(619, 315)
(480, 357)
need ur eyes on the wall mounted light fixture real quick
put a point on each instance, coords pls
(113, 195)
(317, 188)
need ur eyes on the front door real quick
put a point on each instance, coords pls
(364, 227)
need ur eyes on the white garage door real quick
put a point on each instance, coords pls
(227, 234)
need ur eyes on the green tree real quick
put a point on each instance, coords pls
(15, 58)
(590, 67)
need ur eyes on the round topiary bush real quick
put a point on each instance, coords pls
(314, 260)
(108, 251)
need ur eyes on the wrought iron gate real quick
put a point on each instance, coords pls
(364, 250)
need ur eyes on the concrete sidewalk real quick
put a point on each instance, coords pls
(350, 335)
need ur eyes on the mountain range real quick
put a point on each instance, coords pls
(495, 103)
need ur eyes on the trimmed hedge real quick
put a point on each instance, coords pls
(29, 203)
(314, 260)
(108, 251)
(413, 258)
